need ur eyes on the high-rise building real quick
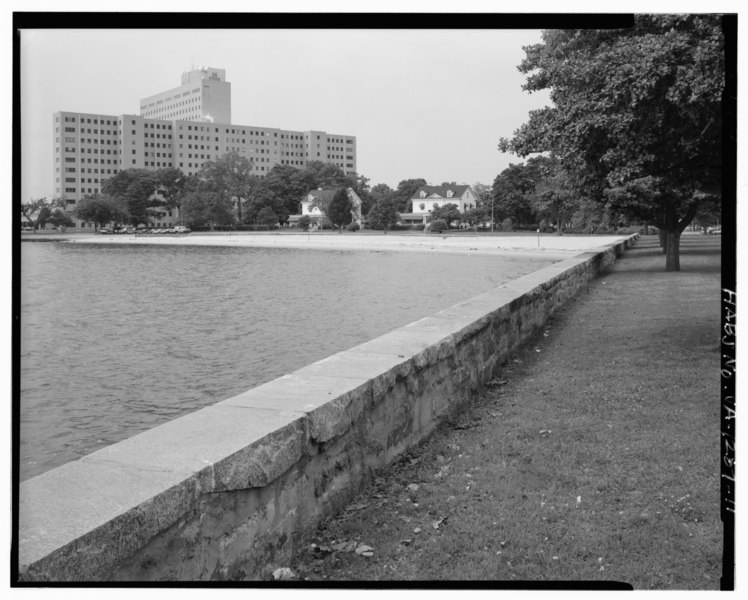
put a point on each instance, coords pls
(204, 95)
(181, 128)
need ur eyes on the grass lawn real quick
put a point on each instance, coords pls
(594, 456)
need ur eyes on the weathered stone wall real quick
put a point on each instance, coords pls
(223, 493)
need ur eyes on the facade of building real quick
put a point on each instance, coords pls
(428, 197)
(90, 148)
(204, 95)
(312, 202)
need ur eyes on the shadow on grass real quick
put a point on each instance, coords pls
(701, 255)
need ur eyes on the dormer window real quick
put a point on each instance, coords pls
(449, 193)
(423, 194)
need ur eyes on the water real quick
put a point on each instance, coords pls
(118, 339)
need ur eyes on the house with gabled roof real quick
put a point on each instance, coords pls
(428, 197)
(314, 201)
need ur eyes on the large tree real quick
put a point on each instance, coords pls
(38, 211)
(339, 209)
(101, 210)
(230, 176)
(60, 218)
(284, 186)
(512, 190)
(324, 175)
(281, 189)
(636, 116)
(135, 189)
(267, 217)
(448, 213)
(205, 207)
(383, 214)
(382, 191)
(172, 185)
(405, 191)
(556, 195)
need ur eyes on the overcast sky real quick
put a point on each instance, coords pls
(421, 103)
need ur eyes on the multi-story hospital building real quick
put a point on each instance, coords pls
(182, 128)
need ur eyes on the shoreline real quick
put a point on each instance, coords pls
(522, 245)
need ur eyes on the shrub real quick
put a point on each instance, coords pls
(438, 225)
(353, 227)
(507, 225)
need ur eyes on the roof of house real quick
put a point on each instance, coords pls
(440, 190)
(329, 194)
(321, 194)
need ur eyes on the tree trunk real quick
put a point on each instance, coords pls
(672, 251)
(663, 240)
(673, 229)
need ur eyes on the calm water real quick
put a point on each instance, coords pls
(115, 340)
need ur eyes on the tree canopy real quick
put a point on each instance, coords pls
(135, 189)
(404, 192)
(512, 191)
(267, 216)
(101, 210)
(448, 213)
(39, 210)
(636, 119)
(205, 207)
(383, 214)
(339, 209)
(229, 176)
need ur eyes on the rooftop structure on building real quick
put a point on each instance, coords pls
(181, 128)
(204, 95)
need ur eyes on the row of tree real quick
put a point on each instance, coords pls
(41, 211)
(634, 134)
(223, 193)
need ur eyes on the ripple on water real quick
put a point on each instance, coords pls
(115, 340)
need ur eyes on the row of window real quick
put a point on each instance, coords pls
(95, 161)
(173, 113)
(95, 121)
(207, 128)
(88, 151)
(73, 170)
(88, 141)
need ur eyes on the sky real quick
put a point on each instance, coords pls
(421, 103)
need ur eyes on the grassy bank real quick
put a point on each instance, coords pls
(593, 457)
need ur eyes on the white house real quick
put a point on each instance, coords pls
(312, 202)
(429, 197)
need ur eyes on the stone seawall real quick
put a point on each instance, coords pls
(223, 493)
